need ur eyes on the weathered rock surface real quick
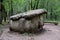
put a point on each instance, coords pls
(28, 21)
(30, 14)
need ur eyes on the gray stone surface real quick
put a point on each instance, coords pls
(30, 13)
(28, 20)
(25, 25)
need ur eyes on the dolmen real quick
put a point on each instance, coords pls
(30, 21)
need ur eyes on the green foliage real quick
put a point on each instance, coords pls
(52, 6)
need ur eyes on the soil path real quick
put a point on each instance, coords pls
(51, 32)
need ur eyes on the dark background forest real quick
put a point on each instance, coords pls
(12, 7)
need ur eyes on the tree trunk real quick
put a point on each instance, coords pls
(37, 4)
(47, 9)
(11, 11)
(1, 11)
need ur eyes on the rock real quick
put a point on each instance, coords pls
(27, 22)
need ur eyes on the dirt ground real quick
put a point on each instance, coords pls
(50, 32)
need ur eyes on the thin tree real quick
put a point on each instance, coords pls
(11, 10)
(2, 11)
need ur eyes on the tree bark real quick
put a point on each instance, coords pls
(1, 11)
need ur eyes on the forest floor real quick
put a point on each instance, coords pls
(50, 32)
